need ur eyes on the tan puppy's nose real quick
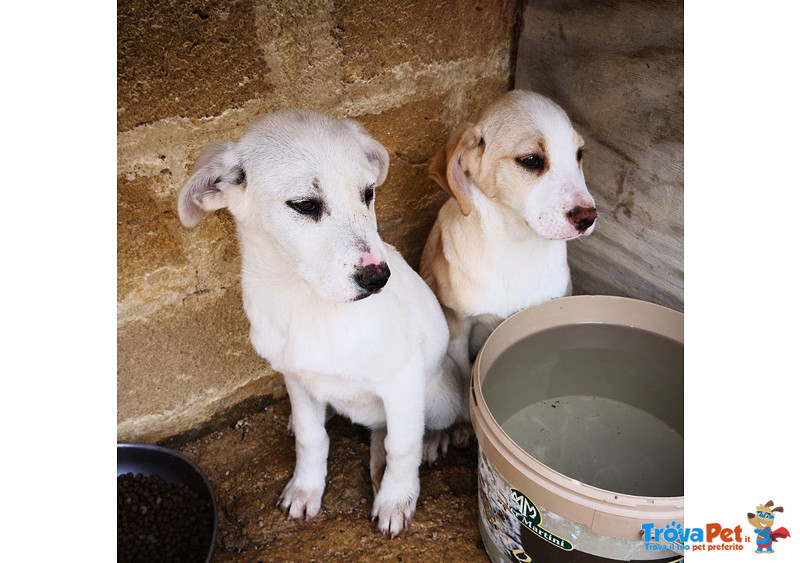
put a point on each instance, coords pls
(582, 217)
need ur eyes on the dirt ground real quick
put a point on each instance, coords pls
(250, 461)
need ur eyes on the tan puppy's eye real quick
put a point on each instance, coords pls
(532, 162)
(580, 154)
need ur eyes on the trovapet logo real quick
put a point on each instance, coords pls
(675, 537)
(716, 537)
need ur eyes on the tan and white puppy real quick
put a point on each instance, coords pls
(333, 308)
(499, 244)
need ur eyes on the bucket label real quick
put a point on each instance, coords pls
(529, 516)
(511, 528)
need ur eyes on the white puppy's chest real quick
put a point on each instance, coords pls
(347, 354)
(346, 397)
(300, 339)
(334, 365)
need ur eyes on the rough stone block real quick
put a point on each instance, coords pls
(375, 35)
(188, 59)
(192, 363)
(147, 239)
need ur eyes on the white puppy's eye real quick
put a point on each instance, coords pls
(309, 207)
(532, 162)
(369, 194)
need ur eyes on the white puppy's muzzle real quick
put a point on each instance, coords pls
(371, 279)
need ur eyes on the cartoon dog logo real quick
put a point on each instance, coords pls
(762, 521)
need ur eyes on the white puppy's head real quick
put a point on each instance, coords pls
(304, 184)
(523, 153)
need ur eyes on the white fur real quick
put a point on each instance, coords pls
(378, 358)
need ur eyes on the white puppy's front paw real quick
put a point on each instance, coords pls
(300, 501)
(393, 514)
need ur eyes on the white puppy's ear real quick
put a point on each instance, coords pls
(377, 155)
(217, 178)
(455, 161)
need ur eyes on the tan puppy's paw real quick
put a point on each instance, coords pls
(460, 434)
(435, 446)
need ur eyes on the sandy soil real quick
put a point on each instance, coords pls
(249, 463)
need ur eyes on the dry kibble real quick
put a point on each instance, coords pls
(160, 522)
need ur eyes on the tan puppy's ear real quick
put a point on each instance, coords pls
(450, 165)
(437, 171)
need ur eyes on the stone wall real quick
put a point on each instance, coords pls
(192, 72)
(616, 67)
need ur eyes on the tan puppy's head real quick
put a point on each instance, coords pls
(524, 154)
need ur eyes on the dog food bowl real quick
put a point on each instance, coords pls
(173, 468)
(577, 405)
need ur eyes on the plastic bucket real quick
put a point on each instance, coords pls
(577, 405)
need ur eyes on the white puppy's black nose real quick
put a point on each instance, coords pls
(372, 277)
(582, 217)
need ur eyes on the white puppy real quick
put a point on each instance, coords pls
(338, 312)
(499, 244)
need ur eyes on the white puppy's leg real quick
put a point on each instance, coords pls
(377, 458)
(397, 498)
(290, 425)
(302, 496)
